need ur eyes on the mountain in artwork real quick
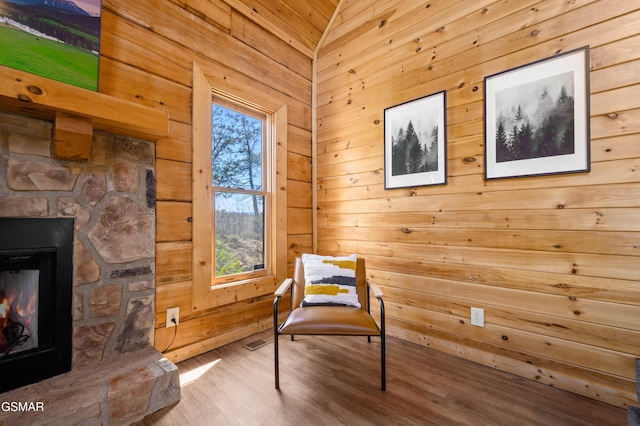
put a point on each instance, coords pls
(65, 5)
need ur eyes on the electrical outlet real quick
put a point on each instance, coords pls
(477, 317)
(173, 313)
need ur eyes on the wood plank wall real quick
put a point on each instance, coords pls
(553, 261)
(148, 48)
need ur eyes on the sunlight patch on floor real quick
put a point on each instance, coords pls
(193, 375)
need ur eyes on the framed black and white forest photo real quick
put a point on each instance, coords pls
(537, 118)
(415, 143)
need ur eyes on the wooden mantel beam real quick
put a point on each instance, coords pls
(39, 97)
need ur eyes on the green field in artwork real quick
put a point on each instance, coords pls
(47, 58)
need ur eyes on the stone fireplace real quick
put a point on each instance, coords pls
(116, 376)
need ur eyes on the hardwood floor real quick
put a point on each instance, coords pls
(336, 381)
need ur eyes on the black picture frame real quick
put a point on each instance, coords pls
(415, 142)
(537, 119)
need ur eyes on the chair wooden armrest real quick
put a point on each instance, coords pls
(283, 287)
(281, 290)
(374, 289)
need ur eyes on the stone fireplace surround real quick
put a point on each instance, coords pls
(117, 376)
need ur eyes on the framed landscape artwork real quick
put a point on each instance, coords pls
(537, 118)
(57, 40)
(415, 143)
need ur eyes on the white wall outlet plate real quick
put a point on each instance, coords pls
(477, 317)
(173, 313)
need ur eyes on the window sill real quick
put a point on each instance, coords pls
(225, 294)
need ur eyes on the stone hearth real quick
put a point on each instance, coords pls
(117, 376)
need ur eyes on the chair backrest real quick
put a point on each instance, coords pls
(298, 283)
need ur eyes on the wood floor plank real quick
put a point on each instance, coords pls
(336, 381)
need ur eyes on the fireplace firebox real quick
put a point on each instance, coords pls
(36, 267)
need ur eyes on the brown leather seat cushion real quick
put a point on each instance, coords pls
(330, 320)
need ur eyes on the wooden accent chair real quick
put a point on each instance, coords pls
(329, 320)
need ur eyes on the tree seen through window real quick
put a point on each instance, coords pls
(238, 180)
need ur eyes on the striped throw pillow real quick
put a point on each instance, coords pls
(330, 280)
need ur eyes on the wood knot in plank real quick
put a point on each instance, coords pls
(554, 325)
(24, 98)
(35, 90)
(561, 285)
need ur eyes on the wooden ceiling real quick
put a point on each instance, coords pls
(300, 23)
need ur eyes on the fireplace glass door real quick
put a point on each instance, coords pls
(20, 277)
(35, 299)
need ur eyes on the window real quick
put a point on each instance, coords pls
(241, 191)
(239, 218)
